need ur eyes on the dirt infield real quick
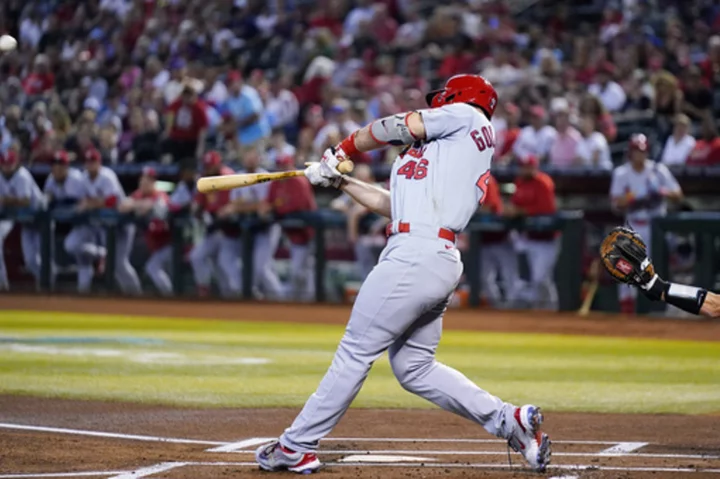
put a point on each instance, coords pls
(70, 438)
(596, 324)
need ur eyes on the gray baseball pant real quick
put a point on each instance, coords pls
(399, 308)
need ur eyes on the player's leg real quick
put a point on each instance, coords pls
(264, 276)
(155, 268)
(543, 272)
(81, 242)
(509, 271)
(301, 272)
(489, 273)
(5, 228)
(412, 358)
(407, 282)
(125, 274)
(30, 242)
(228, 261)
(200, 260)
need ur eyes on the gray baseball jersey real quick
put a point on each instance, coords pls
(104, 185)
(22, 185)
(72, 188)
(644, 185)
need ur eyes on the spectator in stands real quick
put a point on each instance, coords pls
(592, 150)
(151, 205)
(246, 109)
(707, 147)
(364, 229)
(186, 125)
(697, 97)
(507, 130)
(591, 105)
(535, 195)
(40, 80)
(563, 149)
(711, 65)
(294, 195)
(145, 136)
(639, 92)
(108, 145)
(282, 104)
(15, 129)
(177, 82)
(279, 147)
(678, 145)
(610, 93)
(537, 138)
(667, 101)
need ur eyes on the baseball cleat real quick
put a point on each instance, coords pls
(528, 440)
(274, 457)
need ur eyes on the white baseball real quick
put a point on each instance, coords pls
(7, 43)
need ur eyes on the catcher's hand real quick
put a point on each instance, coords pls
(624, 255)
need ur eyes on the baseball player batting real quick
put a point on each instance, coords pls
(435, 187)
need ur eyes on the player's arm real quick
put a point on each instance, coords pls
(688, 298)
(372, 197)
(397, 130)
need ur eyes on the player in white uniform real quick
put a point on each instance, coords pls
(101, 189)
(157, 266)
(640, 188)
(436, 185)
(63, 187)
(19, 190)
(266, 238)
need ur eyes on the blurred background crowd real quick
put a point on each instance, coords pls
(292, 77)
(212, 84)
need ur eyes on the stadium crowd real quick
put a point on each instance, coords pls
(215, 85)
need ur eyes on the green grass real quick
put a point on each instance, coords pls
(254, 364)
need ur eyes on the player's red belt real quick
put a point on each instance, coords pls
(443, 233)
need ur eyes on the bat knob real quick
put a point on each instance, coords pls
(346, 166)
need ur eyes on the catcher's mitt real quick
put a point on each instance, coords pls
(624, 255)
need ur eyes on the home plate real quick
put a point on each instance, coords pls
(374, 458)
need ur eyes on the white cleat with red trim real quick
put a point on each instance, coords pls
(274, 457)
(528, 440)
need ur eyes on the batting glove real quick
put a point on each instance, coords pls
(329, 164)
(314, 176)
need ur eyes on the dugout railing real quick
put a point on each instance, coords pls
(568, 271)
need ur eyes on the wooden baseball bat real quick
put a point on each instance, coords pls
(229, 182)
(594, 282)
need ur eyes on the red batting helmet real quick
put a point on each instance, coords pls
(638, 142)
(472, 89)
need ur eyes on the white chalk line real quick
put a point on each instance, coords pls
(237, 446)
(114, 435)
(61, 474)
(446, 452)
(451, 440)
(578, 467)
(624, 447)
(150, 470)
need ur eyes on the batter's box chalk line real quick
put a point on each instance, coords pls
(371, 458)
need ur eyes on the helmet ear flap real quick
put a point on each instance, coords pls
(433, 98)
